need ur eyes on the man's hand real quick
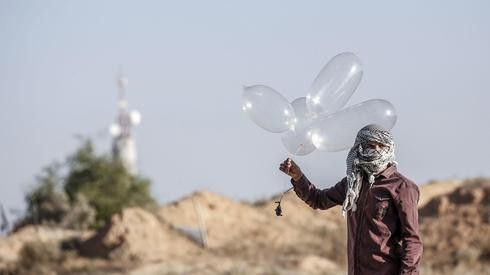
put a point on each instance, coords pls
(290, 168)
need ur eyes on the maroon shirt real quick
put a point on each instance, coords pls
(383, 234)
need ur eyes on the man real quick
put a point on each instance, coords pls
(380, 205)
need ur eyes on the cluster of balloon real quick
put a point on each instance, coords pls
(318, 121)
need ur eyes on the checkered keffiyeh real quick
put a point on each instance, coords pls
(370, 161)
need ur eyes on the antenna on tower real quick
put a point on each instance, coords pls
(124, 147)
(122, 83)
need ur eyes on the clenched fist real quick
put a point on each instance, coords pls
(290, 168)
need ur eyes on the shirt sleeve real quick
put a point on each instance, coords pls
(317, 198)
(406, 205)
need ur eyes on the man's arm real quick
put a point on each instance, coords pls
(317, 198)
(406, 205)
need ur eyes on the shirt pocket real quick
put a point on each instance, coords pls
(381, 207)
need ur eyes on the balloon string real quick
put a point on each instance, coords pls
(278, 208)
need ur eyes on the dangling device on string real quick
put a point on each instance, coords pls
(278, 209)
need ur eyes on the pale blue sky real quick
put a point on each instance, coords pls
(187, 61)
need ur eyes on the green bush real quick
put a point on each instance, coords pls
(92, 189)
(47, 203)
(106, 183)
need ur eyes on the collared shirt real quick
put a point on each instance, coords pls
(383, 233)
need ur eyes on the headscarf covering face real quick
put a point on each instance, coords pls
(363, 158)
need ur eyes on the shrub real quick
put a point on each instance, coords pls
(93, 188)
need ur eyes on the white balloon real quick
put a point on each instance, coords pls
(302, 117)
(114, 129)
(335, 84)
(296, 140)
(268, 108)
(135, 117)
(338, 131)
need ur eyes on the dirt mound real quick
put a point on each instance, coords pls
(298, 213)
(436, 188)
(456, 227)
(11, 246)
(224, 219)
(137, 234)
(245, 238)
(254, 233)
